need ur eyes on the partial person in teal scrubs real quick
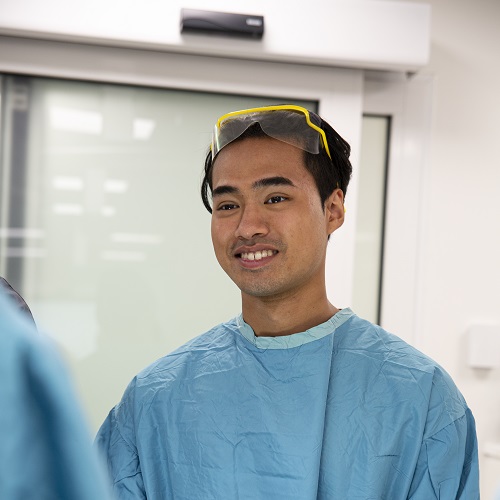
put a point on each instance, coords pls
(294, 399)
(45, 447)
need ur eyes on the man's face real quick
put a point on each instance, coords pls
(269, 228)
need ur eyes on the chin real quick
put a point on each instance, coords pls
(261, 291)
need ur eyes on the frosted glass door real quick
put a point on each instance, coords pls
(102, 227)
(372, 178)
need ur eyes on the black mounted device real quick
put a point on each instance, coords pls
(221, 23)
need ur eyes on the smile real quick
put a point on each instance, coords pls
(258, 255)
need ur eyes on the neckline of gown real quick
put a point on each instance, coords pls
(295, 339)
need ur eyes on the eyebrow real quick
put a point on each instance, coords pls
(265, 182)
(272, 181)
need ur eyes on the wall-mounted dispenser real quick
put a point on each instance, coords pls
(483, 346)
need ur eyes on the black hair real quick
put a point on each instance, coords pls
(329, 174)
(16, 300)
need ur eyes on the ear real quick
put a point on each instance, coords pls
(334, 210)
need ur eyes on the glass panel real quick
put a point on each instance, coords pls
(103, 231)
(372, 179)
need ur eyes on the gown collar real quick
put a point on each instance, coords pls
(296, 339)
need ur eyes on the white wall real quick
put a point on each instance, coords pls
(460, 263)
(377, 34)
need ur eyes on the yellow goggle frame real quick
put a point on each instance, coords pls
(219, 140)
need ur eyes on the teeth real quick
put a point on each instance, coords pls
(257, 255)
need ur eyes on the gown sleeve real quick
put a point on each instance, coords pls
(115, 443)
(447, 467)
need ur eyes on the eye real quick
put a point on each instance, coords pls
(227, 206)
(276, 199)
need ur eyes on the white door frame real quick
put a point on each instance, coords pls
(407, 99)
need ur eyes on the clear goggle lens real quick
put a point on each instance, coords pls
(291, 124)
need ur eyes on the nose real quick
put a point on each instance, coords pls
(252, 223)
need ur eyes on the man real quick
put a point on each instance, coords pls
(294, 399)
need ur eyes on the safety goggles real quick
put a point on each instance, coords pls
(292, 124)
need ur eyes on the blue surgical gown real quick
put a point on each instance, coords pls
(45, 447)
(342, 411)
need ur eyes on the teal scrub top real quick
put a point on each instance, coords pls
(45, 446)
(344, 410)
